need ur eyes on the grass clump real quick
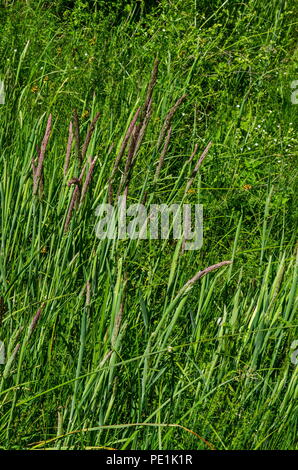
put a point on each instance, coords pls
(140, 344)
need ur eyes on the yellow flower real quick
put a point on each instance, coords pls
(247, 187)
(34, 89)
(191, 191)
(46, 78)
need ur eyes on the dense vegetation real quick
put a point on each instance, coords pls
(100, 334)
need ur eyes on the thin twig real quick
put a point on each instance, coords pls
(125, 425)
(35, 319)
(201, 274)
(195, 170)
(142, 128)
(193, 153)
(117, 324)
(76, 193)
(68, 149)
(150, 88)
(121, 153)
(76, 124)
(163, 154)
(73, 201)
(168, 119)
(89, 135)
(129, 160)
(37, 170)
(125, 141)
(88, 179)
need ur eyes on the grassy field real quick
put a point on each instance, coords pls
(106, 342)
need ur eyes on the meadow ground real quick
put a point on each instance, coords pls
(104, 345)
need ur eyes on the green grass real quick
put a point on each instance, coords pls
(121, 356)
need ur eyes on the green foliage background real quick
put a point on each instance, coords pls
(218, 362)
